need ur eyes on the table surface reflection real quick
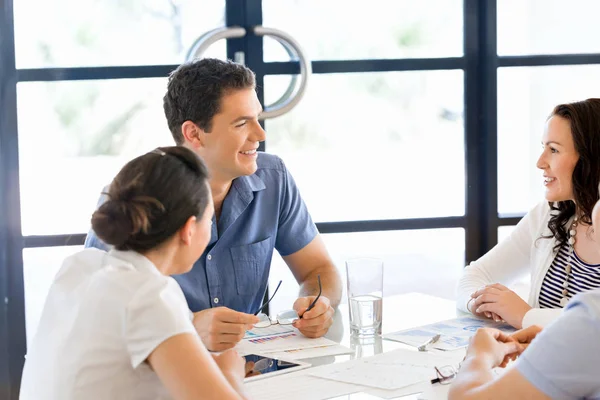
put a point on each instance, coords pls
(399, 312)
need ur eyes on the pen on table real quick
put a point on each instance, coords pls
(433, 340)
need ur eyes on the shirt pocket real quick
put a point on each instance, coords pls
(249, 263)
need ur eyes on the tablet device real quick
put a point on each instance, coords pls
(265, 366)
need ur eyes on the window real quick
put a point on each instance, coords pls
(381, 135)
(379, 145)
(74, 137)
(111, 32)
(548, 27)
(428, 261)
(526, 97)
(374, 29)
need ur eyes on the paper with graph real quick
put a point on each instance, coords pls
(455, 332)
(279, 342)
(268, 331)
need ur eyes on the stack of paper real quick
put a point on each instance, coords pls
(268, 331)
(297, 386)
(388, 371)
(287, 342)
(456, 333)
(389, 375)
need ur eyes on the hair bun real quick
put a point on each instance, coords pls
(111, 223)
(118, 220)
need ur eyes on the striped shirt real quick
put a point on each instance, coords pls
(583, 277)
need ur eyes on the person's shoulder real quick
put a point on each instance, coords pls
(95, 273)
(540, 211)
(588, 302)
(163, 295)
(537, 218)
(268, 161)
(116, 274)
(88, 259)
(86, 256)
(134, 278)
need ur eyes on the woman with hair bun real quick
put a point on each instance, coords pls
(116, 325)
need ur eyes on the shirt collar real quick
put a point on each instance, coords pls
(249, 183)
(139, 262)
(237, 200)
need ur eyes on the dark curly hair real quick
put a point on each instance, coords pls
(151, 198)
(584, 118)
(195, 90)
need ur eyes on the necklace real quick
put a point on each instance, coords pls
(565, 292)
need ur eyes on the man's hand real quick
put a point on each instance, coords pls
(493, 348)
(316, 322)
(526, 336)
(501, 301)
(221, 328)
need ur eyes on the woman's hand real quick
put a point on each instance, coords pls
(485, 314)
(233, 367)
(499, 300)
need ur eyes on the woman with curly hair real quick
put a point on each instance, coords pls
(553, 241)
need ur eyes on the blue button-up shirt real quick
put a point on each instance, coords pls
(261, 212)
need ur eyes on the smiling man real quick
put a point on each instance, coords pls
(212, 108)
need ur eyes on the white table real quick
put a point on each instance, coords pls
(399, 312)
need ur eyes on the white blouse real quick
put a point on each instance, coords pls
(104, 315)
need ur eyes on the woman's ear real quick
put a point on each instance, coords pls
(188, 230)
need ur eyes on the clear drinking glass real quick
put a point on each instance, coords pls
(365, 295)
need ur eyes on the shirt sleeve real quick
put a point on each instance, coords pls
(91, 240)
(506, 262)
(157, 312)
(296, 228)
(562, 361)
(541, 316)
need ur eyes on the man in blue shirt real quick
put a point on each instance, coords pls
(212, 108)
(561, 363)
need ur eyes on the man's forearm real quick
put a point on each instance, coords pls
(330, 282)
(474, 374)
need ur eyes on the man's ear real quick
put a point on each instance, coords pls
(193, 135)
(187, 231)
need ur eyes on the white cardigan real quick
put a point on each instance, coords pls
(524, 251)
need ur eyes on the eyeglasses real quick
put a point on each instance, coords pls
(445, 374)
(286, 317)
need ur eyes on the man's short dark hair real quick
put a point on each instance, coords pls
(195, 90)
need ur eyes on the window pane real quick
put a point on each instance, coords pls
(375, 29)
(426, 261)
(548, 27)
(526, 96)
(73, 139)
(40, 265)
(112, 32)
(374, 145)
